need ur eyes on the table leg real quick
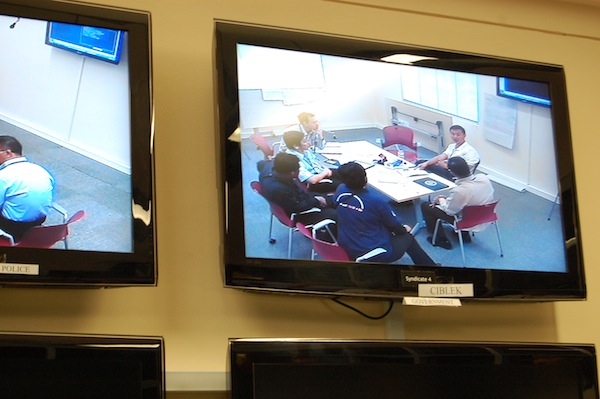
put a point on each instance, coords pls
(418, 216)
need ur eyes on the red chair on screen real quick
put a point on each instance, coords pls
(472, 217)
(278, 213)
(396, 136)
(262, 144)
(44, 236)
(331, 250)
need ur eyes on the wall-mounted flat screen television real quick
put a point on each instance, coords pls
(76, 146)
(524, 90)
(277, 369)
(101, 43)
(519, 229)
(70, 366)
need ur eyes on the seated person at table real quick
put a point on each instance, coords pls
(459, 148)
(26, 190)
(309, 125)
(470, 190)
(280, 185)
(315, 175)
(366, 221)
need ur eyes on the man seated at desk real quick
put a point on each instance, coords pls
(458, 148)
(470, 190)
(309, 125)
(315, 175)
(366, 221)
(279, 183)
(26, 190)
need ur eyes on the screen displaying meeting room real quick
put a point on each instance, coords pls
(77, 97)
(358, 90)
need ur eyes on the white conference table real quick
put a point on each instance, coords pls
(396, 182)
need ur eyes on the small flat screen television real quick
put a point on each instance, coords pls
(73, 366)
(289, 369)
(524, 90)
(86, 117)
(101, 43)
(355, 88)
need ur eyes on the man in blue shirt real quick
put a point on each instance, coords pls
(26, 190)
(366, 221)
(312, 172)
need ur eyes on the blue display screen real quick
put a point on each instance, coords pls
(524, 90)
(101, 43)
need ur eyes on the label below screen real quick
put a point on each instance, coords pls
(19, 268)
(446, 290)
(431, 301)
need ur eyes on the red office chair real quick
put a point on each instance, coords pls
(396, 136)
(263, 145)
(47, 236)
(44, 236)
(331, 250)
(326, 250)
(279, 214)
(472, 217)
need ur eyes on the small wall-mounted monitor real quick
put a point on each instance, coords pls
(82, 122)
(524, 90)
(70, 366)
(528, 247)
(101, 43)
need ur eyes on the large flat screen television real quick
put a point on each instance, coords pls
(354, 89)
(85, 126)
(69, 366)
(292, 368)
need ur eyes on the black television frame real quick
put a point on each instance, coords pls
(358, 368)
(47, 355)
(382, 281)
(86, 268)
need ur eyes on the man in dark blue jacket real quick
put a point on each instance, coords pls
(366, 221)
(280, 185)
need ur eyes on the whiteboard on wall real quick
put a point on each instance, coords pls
(500, 120)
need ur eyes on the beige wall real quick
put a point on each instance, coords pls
(190, 308)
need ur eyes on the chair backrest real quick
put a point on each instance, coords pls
(263, 144)
(47, 236)
(6, 240)
(276, 210)
(395, 134)
(475, 215)
(325, 250)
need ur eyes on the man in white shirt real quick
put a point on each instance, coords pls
(309, 125)
(458, 148)
(470, 190)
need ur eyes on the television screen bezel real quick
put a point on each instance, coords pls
(62, 346)
(244, 354)
(94, 269)
(381, 281)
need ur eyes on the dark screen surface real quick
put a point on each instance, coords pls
(79, 366)
(316, 369)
